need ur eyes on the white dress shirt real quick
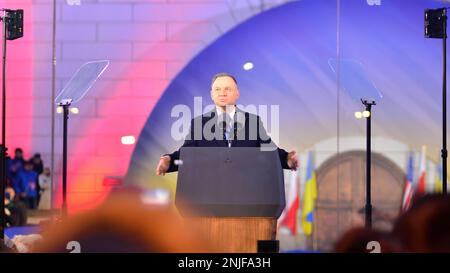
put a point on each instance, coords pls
(231, 114)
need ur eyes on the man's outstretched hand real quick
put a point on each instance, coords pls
(163, 165)
(292, 160)
(164, 162)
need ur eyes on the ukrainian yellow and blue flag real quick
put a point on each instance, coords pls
(438, 181)
(309, 197)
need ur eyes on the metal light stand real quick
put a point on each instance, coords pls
(368, 208)
(65, 104)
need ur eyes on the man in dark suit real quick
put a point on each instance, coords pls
(226, 126)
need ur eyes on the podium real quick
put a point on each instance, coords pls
(234, 195)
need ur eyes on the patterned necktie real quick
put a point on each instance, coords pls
(226, 122)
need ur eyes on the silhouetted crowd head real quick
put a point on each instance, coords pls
(424, 227)
(123, 224)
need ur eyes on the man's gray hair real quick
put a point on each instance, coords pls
(223, 74)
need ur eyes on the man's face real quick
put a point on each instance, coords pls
(224, 91)
(18, 154)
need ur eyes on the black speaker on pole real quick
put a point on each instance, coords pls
(434, 23)
(14, 24)
(436, 27)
